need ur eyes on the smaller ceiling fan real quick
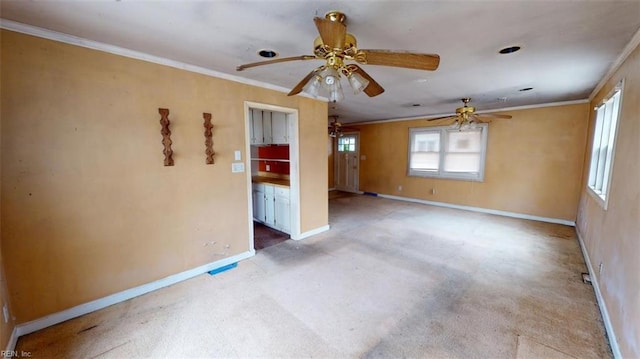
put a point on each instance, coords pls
(336, 128)
(467, 118)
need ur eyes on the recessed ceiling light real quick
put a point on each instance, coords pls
(509, 50)
(267, 53)
(526, 89)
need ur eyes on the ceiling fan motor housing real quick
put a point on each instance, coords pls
(335, 15)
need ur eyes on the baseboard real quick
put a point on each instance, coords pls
(613, 341)
(310, 233)
(11, 345)
(483, 210)
(332, 189)
(82, 309)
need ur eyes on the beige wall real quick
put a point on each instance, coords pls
(88, 209)
(5, 328)
(612, 236)
(533, 163)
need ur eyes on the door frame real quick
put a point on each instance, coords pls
(294, 167)
(336, 158)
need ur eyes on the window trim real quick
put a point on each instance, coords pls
(603, 198)
(441, 174)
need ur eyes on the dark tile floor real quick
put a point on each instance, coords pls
(264, 236)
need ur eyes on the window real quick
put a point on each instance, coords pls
(346, 144)
(603, 145)
(447, 153)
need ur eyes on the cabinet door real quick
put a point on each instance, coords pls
(267, 127)
(279, 128)
(258, 206)
(283, 214)
(257, 130)
(269, 210)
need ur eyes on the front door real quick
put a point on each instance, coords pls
(346, 163)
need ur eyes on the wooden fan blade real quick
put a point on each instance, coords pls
(275, 61)
(506, 117)
(442, 118)
(296, 90)
(404, 59)
(373, 88)
(475, 118)
(333, 33)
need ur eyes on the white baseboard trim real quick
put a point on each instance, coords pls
(11, 345)
(483, 210)
(82, 309)
(310, 233)
(613, 341)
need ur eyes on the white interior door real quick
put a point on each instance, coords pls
(347, 162)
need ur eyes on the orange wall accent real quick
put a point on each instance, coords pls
(612, 236)
(88, 209)
(272, 153)
(533, 164)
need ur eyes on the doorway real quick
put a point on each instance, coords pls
(347, 162)
(273, 189)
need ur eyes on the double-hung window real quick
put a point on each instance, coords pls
(444, 152)
(604, 138)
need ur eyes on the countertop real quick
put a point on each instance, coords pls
(274, 181)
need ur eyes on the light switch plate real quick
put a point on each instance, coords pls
(237, 156)
(237, 167)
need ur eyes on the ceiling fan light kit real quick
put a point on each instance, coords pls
(466, 117)
(335, 46)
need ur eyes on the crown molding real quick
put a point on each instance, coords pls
(515, 108)
(121, 51)
(633, 43)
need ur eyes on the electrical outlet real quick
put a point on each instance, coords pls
(400, 188)
(433, 191)
(268, 168)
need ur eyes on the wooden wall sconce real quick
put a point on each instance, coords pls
(166, 136)
(208, 141)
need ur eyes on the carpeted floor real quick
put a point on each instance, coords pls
(390, 279)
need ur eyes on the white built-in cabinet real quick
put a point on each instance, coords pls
(269, 128)
(271, 206)
(279, 128)
(282, 210)
(257, 131)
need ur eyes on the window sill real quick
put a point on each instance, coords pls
(447, 177)
(600, 200)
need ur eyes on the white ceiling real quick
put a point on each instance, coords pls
(567, 46)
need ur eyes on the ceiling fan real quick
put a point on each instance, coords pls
(336, 128)
(335, 46)
(467, 118)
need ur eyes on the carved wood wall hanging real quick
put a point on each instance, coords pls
(166, 136)
(208, 140)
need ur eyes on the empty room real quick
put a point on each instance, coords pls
(333, 179)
